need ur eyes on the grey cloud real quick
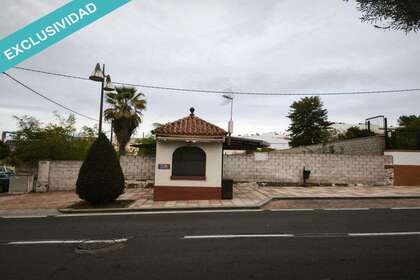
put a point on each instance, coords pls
(286, 46)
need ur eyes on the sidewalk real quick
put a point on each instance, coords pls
(341, 192)
(245, 197)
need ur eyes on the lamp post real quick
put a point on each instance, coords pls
(98, 75)
(230, 124)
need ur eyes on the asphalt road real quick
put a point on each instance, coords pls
(240, 245)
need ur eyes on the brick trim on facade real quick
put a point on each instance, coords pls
(190, 178)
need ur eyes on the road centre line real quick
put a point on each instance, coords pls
(346, 209)
(237, 236)
(323, 209)
(302, 235)
(24, 217)
(297, 209)
(48, 242)
(385, 233)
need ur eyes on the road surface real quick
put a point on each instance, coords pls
(341, 244)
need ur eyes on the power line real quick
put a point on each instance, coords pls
(47, 98)
(192, 90)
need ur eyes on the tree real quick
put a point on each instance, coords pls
(125, 113)
(407, 136)
(89, 132)
(355, 132)
(4, 150)
(101, 179)
(309, 122)
(392, 14)
(411, 121)
(54, 141)
(148, 146)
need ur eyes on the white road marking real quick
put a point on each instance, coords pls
(404, 208)
(384, 233)
(302, 235)
(24, 217)
(345, 209)
(47, 242)
(237, 236)
(297, 209)
(158, 212)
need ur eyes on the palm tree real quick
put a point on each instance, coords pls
(125, 113)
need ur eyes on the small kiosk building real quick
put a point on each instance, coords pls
(189, 160)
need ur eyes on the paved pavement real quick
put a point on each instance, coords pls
(374, 244)
(343, 203)
(244, 197)
(341, 191)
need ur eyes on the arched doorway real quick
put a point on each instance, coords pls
(189, 163)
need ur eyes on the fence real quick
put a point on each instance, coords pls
(372, 145)
(404, 140)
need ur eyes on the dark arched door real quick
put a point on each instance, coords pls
(189, 163)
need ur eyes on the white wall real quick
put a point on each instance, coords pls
(164, 151)
(404, 157)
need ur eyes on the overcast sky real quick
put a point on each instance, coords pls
(246, 45)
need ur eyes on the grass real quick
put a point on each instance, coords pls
(123, 203)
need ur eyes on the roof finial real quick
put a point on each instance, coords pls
(192, 111)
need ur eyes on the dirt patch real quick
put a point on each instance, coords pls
(123, 203)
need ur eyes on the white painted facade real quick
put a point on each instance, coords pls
(164, 151)
(404, 157)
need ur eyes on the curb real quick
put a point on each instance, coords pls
(345, 197)
(122, 210)
(258, 205)
(248, 207)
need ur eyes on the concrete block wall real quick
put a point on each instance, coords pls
(138, 167)
(63, 174)
(270, 167)
(373, 145)
(325, 168)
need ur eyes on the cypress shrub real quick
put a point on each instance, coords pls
(101, 179)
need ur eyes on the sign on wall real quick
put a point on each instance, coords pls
(164, 166)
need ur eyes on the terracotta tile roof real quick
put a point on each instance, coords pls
(190, 126)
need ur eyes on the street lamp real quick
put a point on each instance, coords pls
(230, 124)
(98, 75)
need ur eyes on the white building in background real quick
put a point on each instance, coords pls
(277, 140)
(280, 140)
